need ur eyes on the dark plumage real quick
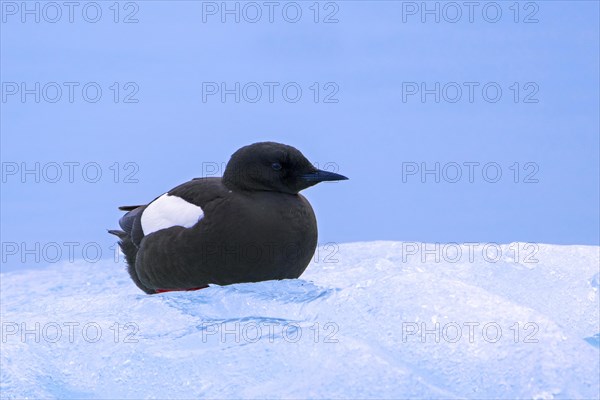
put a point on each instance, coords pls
(250, 225)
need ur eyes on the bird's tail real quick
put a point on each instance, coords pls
(130, 250)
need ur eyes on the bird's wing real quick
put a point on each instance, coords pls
(181, 206)
(126, 221)
(200, 191)
(129, 208)
(130, 223)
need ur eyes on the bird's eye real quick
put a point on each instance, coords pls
(276, 166)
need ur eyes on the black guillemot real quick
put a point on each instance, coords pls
(250, 225)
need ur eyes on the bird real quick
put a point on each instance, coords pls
(249, 225)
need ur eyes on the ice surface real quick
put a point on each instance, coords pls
(347, 329)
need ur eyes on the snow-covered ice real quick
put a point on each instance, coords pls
(352, 327)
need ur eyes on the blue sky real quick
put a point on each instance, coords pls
(368, 120)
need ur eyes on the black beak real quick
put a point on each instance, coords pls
(322, 176)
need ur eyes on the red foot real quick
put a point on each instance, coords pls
(179, 290)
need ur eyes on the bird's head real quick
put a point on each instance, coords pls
(276, 167)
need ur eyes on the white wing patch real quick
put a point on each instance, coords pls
(168, 211)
